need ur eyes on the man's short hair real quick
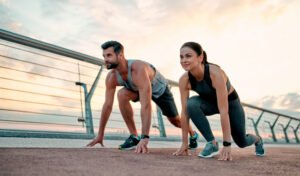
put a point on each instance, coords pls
(118, 47)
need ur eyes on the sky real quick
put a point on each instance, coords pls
(254, 41)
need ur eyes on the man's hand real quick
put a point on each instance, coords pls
(225, 154)
(142, 146)
(183, 151)
(98, 139)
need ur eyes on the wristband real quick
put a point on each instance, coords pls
(143, 136)
(226, 144)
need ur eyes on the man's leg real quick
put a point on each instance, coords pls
(124, 96)
(176, 122)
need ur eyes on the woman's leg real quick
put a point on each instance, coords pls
(237, 124)
(197, 108)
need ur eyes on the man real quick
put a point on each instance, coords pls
(142, 82)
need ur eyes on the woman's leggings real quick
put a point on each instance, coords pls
(198, 108)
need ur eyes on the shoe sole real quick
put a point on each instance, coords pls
(259, 154)
(120, 148)
(209, 156)
(195, 148)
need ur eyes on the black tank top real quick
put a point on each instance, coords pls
(205, 89)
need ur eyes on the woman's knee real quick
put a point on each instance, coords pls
(192, 103)
(241, 142)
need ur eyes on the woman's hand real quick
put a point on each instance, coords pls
(225, 154)
(183, 151)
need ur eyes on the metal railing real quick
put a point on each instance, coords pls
(36, 48)
(272, 125)
(77, 69)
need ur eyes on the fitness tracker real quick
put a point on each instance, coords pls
(226, 144)
(143, 136)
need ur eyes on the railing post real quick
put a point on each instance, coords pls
(87, 100)
(272, 131)
(285, 129)
(272, 128)
(161, 126)
(295, 132)
(255, 124)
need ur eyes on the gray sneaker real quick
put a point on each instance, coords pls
(209, 150)
(259, 148)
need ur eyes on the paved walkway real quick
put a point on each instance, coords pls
(29, 156)
(15, 142)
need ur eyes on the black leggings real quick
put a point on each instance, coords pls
(198, 108)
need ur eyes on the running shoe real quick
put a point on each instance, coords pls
(130, 143)
(209, 150)
(193, 145)
(259, 148)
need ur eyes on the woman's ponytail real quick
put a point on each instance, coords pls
(204, 57)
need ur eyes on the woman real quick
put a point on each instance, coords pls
(217, 96)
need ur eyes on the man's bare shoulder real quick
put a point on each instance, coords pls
(141, 73)
(111, 79)
(138, 64)
(111, 74)
(139, 67)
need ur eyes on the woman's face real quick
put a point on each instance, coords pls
(189, 59)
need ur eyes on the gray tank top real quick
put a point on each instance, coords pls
(158, 83)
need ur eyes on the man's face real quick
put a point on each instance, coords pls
(110, 58)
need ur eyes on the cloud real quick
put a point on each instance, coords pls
(287, 103)
(53, 9)
(153, 30)
(290, 101)
(78, 23)
(217, 15)
(142, 21)
(5, 3)
(6, 21)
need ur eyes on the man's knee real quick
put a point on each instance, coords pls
(123, 95)
(175, 121)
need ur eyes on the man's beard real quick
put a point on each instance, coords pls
(113, 65)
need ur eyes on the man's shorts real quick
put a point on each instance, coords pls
(166, 103)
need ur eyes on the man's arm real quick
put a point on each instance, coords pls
(110, 84)
(140, 77)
